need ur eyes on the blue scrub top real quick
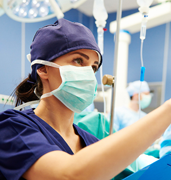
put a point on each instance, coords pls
(24, 138)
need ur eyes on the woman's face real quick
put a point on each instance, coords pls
(80, 58)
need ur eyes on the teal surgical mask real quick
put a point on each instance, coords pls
(146, 100)
(78, 88)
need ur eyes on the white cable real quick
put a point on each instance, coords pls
(104, 101)
(46, 95)
(101, 44)
(142, 65)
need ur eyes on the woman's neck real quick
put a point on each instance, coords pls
(57, 115)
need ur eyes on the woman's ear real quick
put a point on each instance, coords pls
(42, 72)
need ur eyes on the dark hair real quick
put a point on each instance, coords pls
(131, 97)
(24, 92)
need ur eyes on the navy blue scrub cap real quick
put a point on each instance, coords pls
(62, 37)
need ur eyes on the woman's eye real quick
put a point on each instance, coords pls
(78, 61)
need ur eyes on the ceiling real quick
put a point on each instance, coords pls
(110, 5)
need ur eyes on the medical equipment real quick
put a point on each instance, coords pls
(119, 14)
(144, 9)
(37, 10)
(115, 60)
(101, 16)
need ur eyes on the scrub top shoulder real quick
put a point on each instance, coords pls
(24, 138)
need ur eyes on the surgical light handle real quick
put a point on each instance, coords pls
(108, 80)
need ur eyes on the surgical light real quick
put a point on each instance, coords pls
(37, 10)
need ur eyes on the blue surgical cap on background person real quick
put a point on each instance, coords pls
(134, 87)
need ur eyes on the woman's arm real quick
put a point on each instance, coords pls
(106, 158)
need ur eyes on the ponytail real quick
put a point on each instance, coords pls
(25, 91)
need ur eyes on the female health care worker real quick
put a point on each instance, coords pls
(43, 143)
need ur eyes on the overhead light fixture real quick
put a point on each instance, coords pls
(159, 14)
(36, 10)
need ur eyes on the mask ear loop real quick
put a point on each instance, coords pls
(47, 63)
(35, 92)
(39, 61)
(46, 95)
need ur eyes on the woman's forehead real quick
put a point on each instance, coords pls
(88, 53)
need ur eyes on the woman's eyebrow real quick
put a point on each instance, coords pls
(85, 56)
(82, 54)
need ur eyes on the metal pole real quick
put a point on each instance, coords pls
(119, 14)
(112, 112)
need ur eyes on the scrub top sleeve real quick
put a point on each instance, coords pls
(20, 146)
